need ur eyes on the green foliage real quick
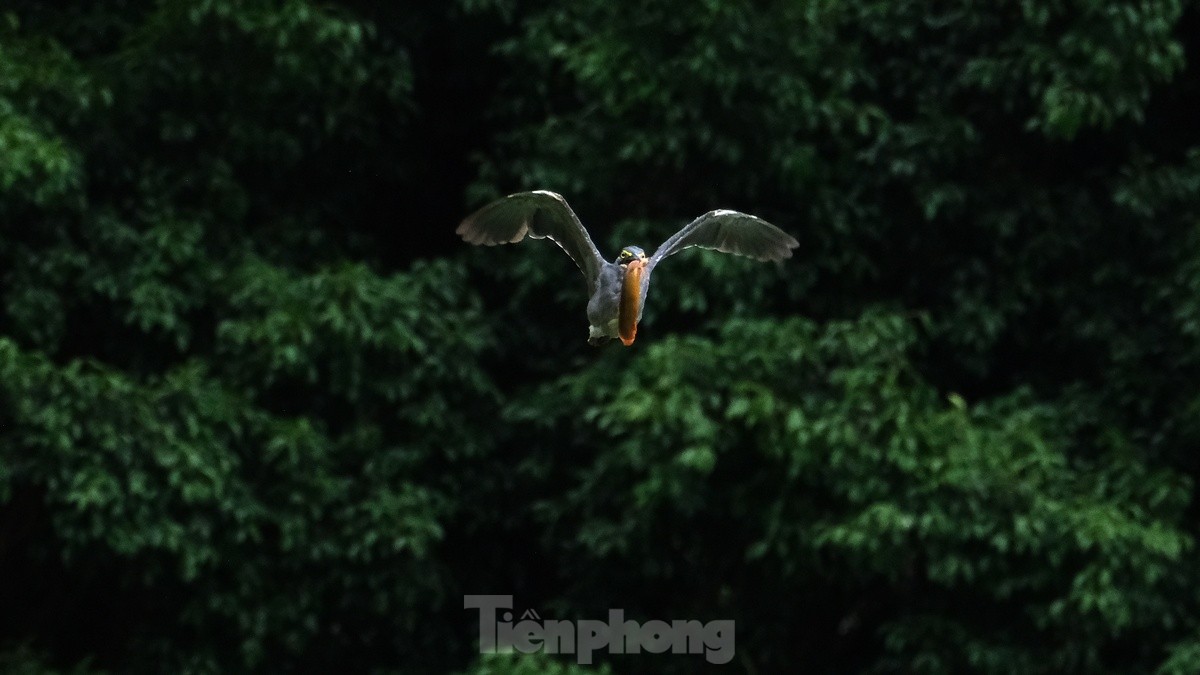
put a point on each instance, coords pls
(189, 480)
(260, 406)
(526, 664)
(827, 461)
(23, 661)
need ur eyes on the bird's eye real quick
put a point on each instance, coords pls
(626, 254)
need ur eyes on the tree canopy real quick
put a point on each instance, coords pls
(261, 411)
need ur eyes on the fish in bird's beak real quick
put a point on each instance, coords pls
(631, 298)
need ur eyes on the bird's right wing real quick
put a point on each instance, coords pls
(729, 232)
(540, 214)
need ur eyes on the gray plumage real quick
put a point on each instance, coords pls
(545, 215)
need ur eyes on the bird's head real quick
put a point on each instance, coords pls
(631, 253)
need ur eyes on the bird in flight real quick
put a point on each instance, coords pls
(617, 290)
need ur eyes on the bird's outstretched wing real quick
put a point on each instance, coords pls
(540, 214)
(730, 232)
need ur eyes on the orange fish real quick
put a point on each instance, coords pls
(631, 302)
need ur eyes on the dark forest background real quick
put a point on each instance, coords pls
(262, 411)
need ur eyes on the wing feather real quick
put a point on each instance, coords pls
(540, 215)
(730, 232)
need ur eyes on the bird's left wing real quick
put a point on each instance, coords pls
(729, 232)
(540, 214)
